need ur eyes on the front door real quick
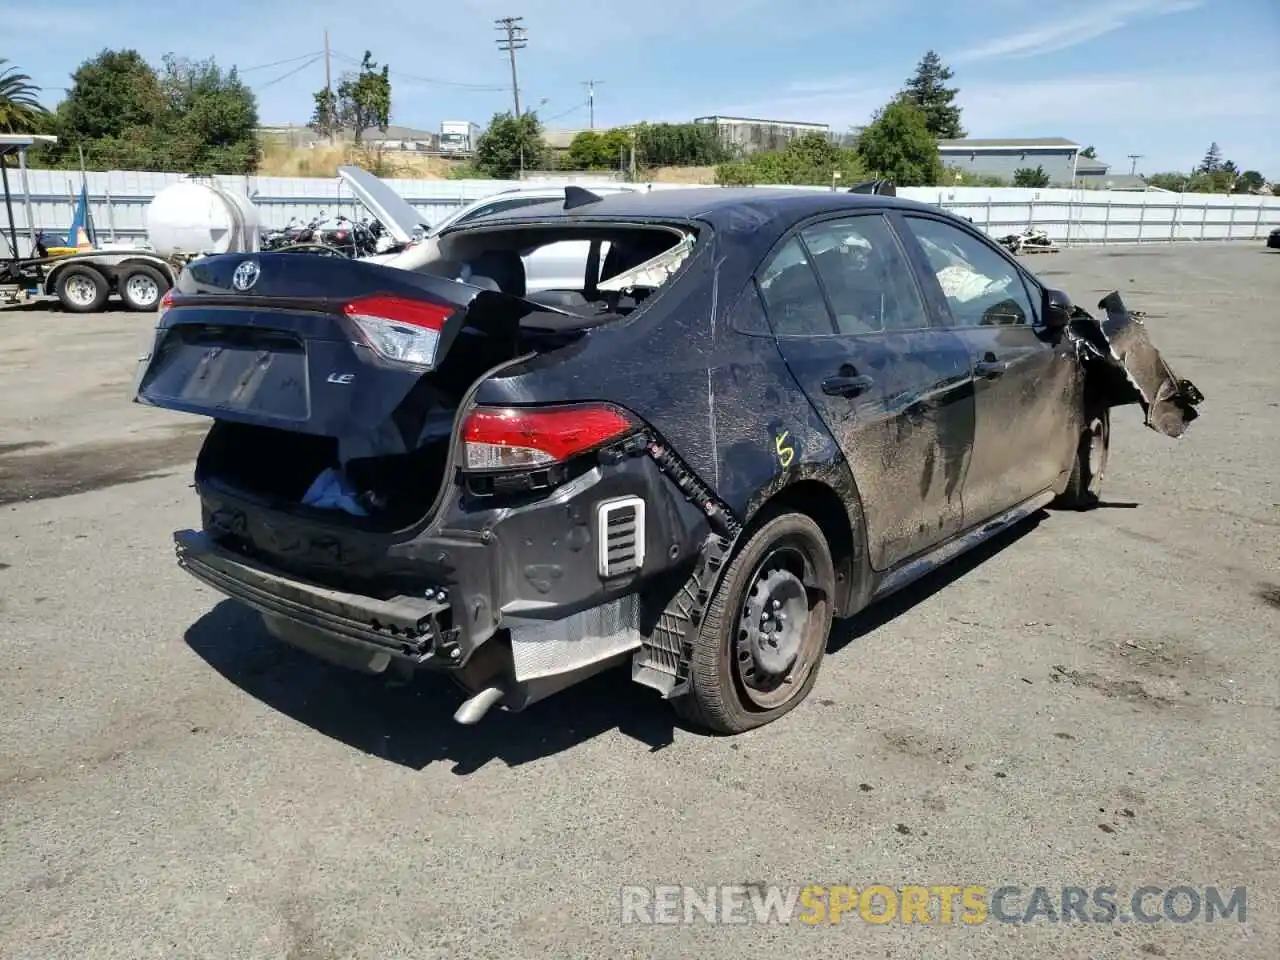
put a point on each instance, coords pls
(893, 389)
(1024, 382)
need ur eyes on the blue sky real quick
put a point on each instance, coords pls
(1161, 78)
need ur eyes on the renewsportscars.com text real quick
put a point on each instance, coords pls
(934, 904)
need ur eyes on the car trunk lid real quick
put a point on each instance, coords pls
(326, 346)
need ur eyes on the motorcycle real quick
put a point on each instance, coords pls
(340, 236)
(1033, 239)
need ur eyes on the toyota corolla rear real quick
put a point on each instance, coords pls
(353, 492)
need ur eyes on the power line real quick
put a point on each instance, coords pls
(574, 109)
(478, 87)
(289, 73)
(513, 41)
(278, 63)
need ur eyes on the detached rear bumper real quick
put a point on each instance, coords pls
(406, 628)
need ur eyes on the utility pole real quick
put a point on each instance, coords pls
(591, 99)
(513, 40)
(328, 86)
(1133, 162)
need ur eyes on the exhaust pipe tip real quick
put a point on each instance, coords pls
(474, 708)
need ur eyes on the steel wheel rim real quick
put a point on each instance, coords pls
(772, 655)
(142, 290)
(81, 291)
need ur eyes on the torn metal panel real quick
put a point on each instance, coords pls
(1133, 371)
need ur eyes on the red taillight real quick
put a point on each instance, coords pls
(512, 437)
(400, 329)
(166, 303)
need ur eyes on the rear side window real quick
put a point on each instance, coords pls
(866, 275)
(792, 296)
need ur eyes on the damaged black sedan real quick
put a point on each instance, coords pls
(753, 412)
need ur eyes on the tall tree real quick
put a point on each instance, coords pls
(899, 144)
(211, 116)
(1212, 161)
(511, 144)
(1251, 181)
(110, 93)
(928, 90)
(20, 109)
(190, 116)
(324, 118)
(364, 98)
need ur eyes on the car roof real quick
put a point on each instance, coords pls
(717, 205)
(555, 190)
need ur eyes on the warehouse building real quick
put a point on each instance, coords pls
(1001, 158)
(749, 134)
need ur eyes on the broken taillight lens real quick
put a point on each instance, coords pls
(505, 438)
(399, 329)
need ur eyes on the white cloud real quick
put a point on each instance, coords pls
(1073, 29)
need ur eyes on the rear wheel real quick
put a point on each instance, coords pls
(82, 289)
(1084, 489)
(765, 630)
(142, 287)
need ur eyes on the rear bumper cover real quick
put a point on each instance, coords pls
(451, 588)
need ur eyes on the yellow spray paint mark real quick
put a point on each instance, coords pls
(786, 453)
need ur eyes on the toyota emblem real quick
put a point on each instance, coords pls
(246, 275)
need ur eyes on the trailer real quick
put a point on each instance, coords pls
(82, 281)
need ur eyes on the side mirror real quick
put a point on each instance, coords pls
(1057, 310)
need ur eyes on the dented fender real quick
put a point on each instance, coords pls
(1118, 356)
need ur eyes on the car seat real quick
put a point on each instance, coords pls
(501, 270)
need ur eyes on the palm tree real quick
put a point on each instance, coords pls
(20, 111)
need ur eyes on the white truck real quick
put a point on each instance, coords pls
(459, 136)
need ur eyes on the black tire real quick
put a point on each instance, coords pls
(727, 694)
(74, 292)
(1084, 489)
(141, 287)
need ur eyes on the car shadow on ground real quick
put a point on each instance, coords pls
(412, 724)
(895, 605)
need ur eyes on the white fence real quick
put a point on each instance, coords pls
(119, 200)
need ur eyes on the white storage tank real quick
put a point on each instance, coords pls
(198, 216)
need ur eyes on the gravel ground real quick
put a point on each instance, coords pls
(1090, 701)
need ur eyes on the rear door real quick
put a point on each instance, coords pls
(1025, 384)
(892, 387)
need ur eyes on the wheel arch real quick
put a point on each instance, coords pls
(829, 496)
(51, 278)
(155, 263)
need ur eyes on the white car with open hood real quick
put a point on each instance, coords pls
(554, 266)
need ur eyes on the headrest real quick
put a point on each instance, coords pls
(503, 267)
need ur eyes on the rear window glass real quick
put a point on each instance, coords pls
(792, 296)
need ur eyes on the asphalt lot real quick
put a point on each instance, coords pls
(1094, 700)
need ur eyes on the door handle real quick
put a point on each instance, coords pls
(847, 386)
(990, 369)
